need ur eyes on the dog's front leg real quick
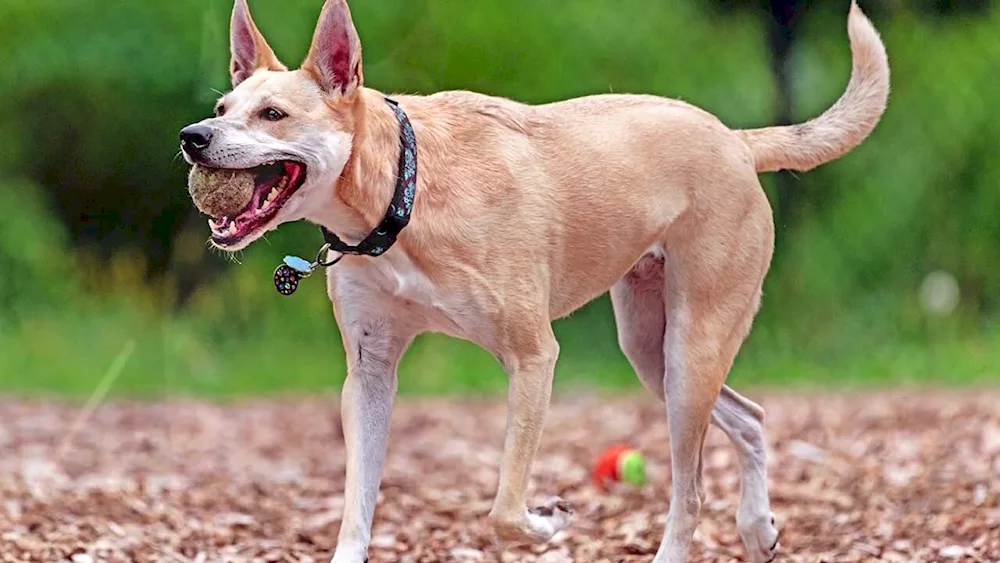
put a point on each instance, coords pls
(374, 344)
(530, 369)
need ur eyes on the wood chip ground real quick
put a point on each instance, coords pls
(875, 477)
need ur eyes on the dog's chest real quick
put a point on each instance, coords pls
(412, 294)
(401, 277)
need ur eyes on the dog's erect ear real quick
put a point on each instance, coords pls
(250, 51)
(334, 59)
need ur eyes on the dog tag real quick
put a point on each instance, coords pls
(286, 279)
(299, 264)
(287, 275)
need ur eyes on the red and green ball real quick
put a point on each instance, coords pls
(619, 464)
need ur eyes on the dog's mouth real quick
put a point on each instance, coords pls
(274, 184)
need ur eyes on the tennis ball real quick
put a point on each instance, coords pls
(620, 463)
(220, 192)
(632, 468)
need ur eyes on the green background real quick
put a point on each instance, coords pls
(101, 250)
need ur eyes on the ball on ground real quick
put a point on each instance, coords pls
(620, 463)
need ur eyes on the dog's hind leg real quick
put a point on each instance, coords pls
(530, 362)
(641, 320)
(743, 421)
(640, 316)
(715, 268)
(713, 282)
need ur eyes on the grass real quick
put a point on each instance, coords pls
(293, 347)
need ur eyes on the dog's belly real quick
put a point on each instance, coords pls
(585, 288)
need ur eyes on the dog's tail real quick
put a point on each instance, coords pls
(842, 127)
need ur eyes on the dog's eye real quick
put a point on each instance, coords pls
(272, 114)
(220, 110)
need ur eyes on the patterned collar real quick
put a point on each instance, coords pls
(398, 214)
(288, 274)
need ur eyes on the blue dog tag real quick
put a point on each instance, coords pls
(298, 264)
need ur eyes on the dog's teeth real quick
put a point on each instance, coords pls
(232, 228)
(270, 163)
(273, 195)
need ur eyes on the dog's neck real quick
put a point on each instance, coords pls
(366, 185)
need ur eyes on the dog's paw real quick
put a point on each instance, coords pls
(550, 518)
(534, 525)
(760, 538)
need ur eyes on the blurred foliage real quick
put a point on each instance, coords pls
(100, 244)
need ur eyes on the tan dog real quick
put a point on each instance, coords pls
(522, 215)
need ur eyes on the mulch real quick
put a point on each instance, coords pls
(869, 477)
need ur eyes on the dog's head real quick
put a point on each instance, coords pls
(292, 129)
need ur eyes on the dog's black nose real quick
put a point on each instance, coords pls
(196, 138)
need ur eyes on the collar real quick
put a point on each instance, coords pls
(398, 214)
(383, 236)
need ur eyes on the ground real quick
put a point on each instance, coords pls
(870, 477)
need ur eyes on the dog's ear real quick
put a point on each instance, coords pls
(250, 51)
(334, 59)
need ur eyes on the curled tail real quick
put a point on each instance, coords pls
(842, 127)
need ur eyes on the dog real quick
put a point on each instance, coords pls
(521, 214)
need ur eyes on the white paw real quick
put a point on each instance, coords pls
(760, 538)
(536, 525)
(550, 518)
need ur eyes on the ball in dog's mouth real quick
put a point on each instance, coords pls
(241, 201)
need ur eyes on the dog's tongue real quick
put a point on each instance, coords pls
(292, 170)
